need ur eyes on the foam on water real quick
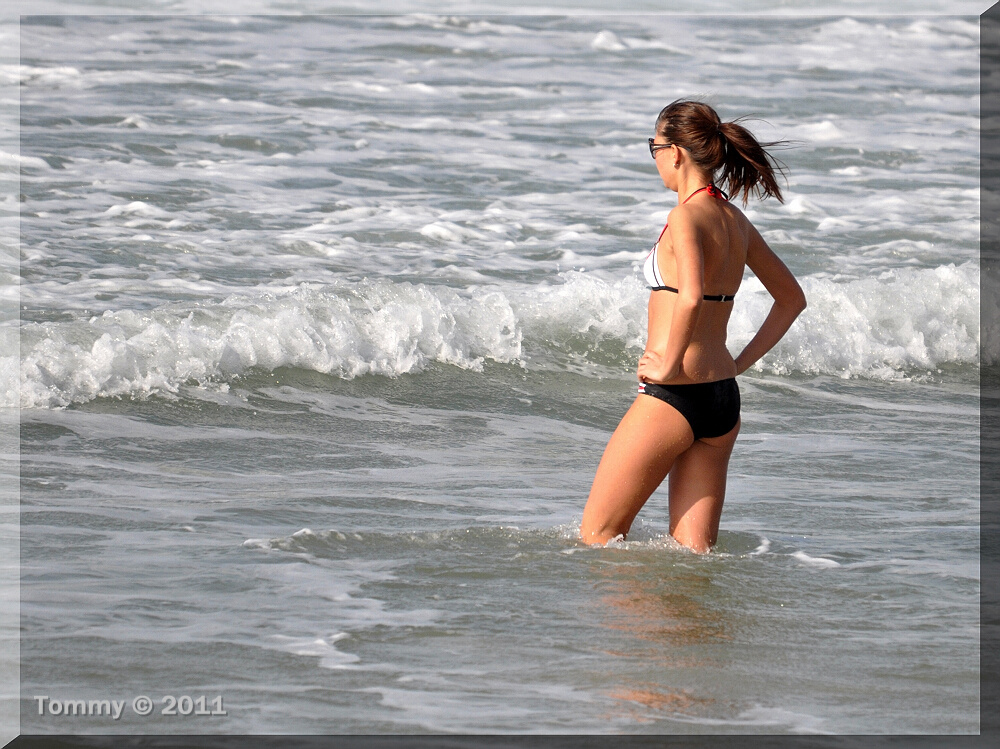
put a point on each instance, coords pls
(905, 322)
(820, 562)
(760, 716)
(763, 548)
(322, 648)
(379, 328)
(885, 327)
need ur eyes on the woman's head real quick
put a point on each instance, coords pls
(726, 151)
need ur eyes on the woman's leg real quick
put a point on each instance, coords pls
(638, 457)
(697, 490)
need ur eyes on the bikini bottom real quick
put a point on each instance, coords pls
(711, 408)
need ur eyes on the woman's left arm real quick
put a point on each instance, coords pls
(664, 365)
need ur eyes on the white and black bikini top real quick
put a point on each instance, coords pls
(651, 269)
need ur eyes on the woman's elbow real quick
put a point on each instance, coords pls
(690, 301)
(794, 302)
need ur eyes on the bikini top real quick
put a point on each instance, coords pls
(651, 270)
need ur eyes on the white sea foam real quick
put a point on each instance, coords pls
(51, 76)
(9, 383)
(13, 161)
(586, 308)
(903, 322)
(322, 648)
(763, 548)
(821, 562)
(881, 327)
(448, 231)
(134, 121)
(136, 207)
(759, 716)
(380, 328)
(607, 41)
(822, 131)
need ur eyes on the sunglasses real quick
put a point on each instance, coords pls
(654, 147)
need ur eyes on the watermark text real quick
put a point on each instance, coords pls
(183, 706)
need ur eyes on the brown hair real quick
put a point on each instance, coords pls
(727, 146)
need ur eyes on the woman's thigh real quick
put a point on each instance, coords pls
(698, 489)
(638, 457)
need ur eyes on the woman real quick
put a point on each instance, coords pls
(685, 420)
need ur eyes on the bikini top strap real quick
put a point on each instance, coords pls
(714, 191)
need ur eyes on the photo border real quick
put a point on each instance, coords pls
(989, 495)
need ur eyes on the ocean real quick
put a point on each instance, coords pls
(325, 322)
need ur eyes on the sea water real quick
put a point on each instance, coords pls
(325, 323)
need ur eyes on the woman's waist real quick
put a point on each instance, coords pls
(700, 386)
(700, 378)
(709, 349)
(704, 364)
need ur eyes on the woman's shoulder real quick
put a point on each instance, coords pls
(693, 216)
(680, 214)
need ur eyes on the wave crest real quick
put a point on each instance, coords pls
(376, 327)
(883, 327)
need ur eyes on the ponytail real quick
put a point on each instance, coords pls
(726, 150)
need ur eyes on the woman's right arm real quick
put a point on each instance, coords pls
(789, 300)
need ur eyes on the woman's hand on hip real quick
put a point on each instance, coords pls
(653, 368)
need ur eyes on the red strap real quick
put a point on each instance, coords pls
(714, 191)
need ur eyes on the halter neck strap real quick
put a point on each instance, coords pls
(714, 191)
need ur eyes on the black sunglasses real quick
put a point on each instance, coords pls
(654, 147)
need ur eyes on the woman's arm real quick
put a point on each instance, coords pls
(662, 366)
(789, 300)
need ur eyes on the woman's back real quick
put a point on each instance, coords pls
(722, 234)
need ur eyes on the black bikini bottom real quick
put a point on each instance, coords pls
(711, 408)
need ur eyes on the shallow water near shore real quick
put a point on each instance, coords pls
(326, 323)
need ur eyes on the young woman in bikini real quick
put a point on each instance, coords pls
(686, 417)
